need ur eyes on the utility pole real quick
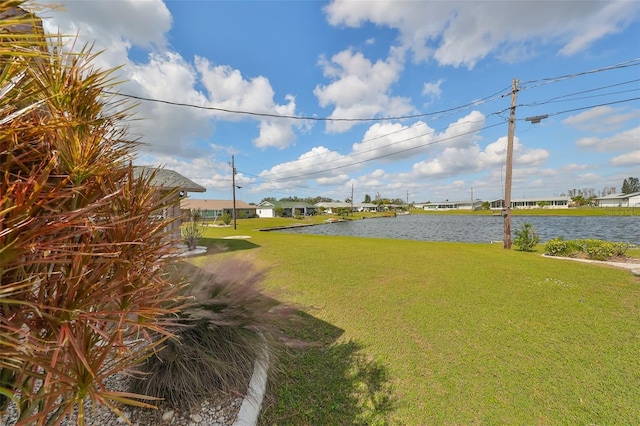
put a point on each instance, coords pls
(506, 213)
(352, 199)
(472, 199)
(233, 182)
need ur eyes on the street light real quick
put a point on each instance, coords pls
(536, 119)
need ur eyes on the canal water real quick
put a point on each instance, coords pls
(482, 229)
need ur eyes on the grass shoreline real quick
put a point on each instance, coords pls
(411, 332)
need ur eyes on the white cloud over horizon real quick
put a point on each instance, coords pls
(394, 61)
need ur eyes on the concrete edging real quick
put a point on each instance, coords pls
(250, 408)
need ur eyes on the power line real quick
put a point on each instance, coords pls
(563, 98)
(592, 106)
(549, 80)
(308, 118)
(385, 146)
(380, 156)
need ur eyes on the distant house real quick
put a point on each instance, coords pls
(165, 181)
(289, 209)
(532, 203)
(211, 210)
(541, 202)
(454, 205)
(334, 207)
(619, 200)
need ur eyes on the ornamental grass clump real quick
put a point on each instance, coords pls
(227, 327)
(83, 293)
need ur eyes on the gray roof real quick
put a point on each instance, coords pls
(285, 205)
(619, 196)
(190, 203)
(169, 179)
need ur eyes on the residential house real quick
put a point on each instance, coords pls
(454, 205)
(541, 202)
(288, 209)
(532, 203)
(211, 210)
(170, 181)
(619, 200)
(335, 207)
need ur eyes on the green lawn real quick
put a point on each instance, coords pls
(415, 333)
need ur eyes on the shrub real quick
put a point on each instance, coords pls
(82, 239)
(592, 248)
(526, 238)
(192, 230)
(226, 218)
(560, 247)
(221, 334)
(620, 249)
(601, 251)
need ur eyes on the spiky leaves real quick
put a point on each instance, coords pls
(82, 241)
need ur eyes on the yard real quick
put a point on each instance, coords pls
(413, 332)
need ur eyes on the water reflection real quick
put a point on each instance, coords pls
(482, 229)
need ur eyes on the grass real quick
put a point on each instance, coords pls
(411, 332)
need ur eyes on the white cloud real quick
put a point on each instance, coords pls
(228, 89)
(166, 75)
(628, 139)
(602, 119)
(360, 89)
(631, 159)
(319, 162)
(112, 30)
(462, 33)
(469, 158)
(432, 90)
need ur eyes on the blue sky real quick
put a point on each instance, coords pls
(402, 99)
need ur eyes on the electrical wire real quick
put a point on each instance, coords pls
(434, 131)
(380, 156)
(549, 80)
(309, 118)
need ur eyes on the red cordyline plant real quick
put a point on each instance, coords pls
(83, 294)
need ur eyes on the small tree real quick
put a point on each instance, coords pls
(526, 238)
(226, 218)
(192, 230)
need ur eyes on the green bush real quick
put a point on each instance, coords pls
(592, 248)
(620, 249)
(560, 247)
(226, 218)
(526, 238)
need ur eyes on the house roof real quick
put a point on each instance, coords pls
(285, 205)
(619, 196)
(166, 178)
(189, 203)
(455, 202)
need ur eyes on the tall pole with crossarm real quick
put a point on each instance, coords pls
(508, 175)
(233, 182)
